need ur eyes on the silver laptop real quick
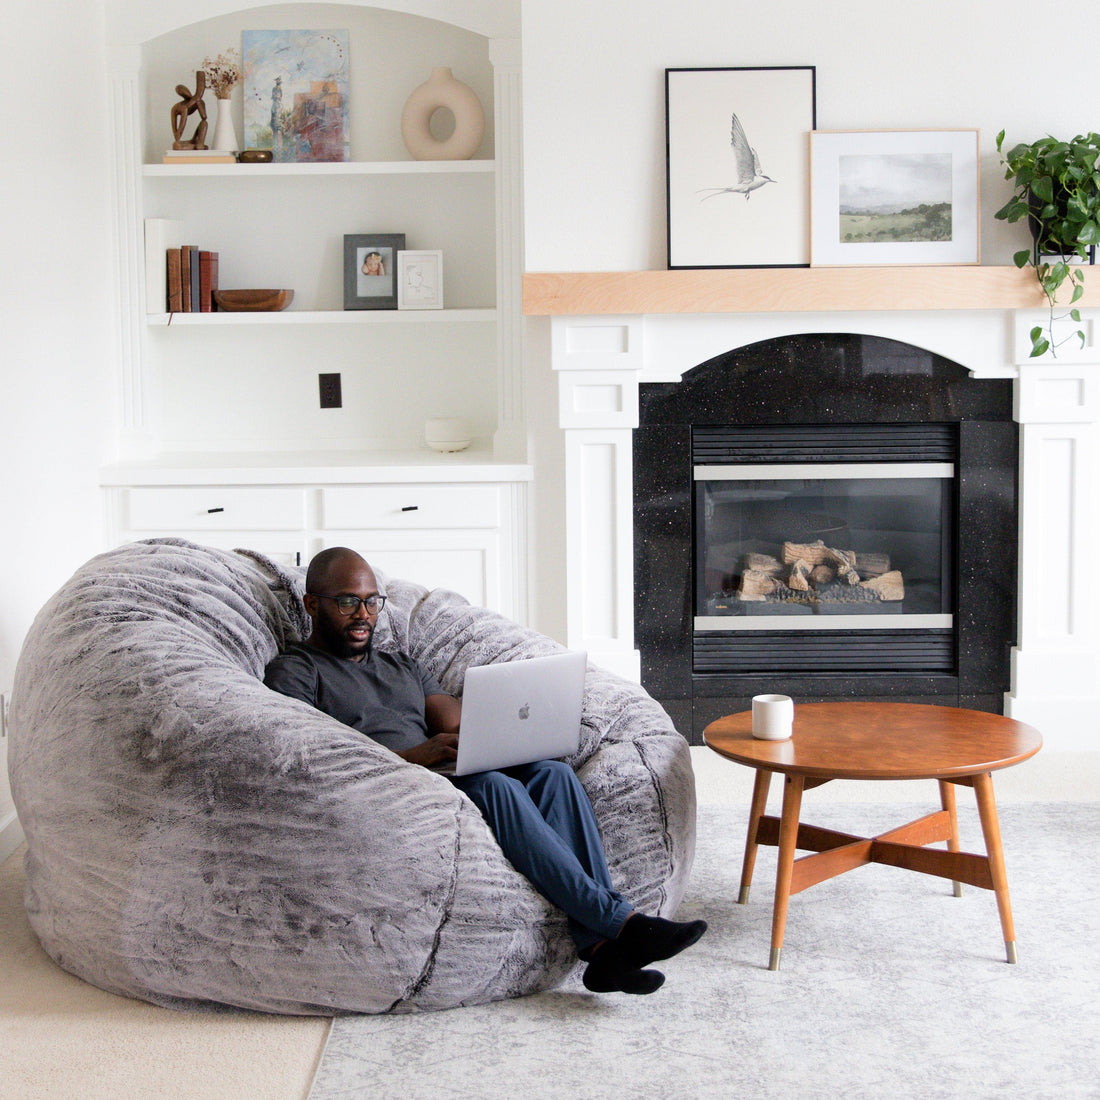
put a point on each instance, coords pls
(515, 712)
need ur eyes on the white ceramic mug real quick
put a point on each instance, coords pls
(772, 717)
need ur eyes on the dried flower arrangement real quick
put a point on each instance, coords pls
(223, 73)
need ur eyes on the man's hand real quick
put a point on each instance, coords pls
(440, 749)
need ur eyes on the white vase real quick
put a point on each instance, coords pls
(225, 133)
(441, 89)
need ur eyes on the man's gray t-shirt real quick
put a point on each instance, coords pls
(381, 696)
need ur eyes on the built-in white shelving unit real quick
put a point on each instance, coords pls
(212, 404)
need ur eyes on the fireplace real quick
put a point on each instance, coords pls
(824, 515)
(824, 547)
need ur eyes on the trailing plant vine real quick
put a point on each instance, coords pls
(1056, 186)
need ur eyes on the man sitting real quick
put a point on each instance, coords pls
(539, 813)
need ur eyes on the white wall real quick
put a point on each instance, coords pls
(56, 377)
(593, 73)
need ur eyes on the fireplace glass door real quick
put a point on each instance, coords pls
(818, 546)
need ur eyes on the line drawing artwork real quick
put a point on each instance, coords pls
(746, 163)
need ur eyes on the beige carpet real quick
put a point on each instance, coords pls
(60, 1037)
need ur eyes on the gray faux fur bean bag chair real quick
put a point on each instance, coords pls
(194, 837)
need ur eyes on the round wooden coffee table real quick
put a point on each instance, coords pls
(856, 740)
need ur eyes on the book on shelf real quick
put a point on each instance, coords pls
(186, 253)
(175, 281)
(208, 280)
(197, 156)
(162, 235)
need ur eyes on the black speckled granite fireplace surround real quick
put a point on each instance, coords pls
(834, 379)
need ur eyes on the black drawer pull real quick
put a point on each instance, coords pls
(211, 511)
(411, 508)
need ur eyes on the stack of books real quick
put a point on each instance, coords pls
(198, 156)
(179, 278)
(192, 279)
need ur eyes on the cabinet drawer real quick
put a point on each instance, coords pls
(215, 509)
(407, 507)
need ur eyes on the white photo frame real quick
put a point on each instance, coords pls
(894, 197)
(420, 279)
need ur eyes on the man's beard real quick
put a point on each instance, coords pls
(338, 642)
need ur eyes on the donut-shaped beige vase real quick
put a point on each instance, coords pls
(441, 89)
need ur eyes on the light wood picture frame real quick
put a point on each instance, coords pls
(895, 197)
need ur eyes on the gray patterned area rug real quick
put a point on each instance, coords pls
(890, 987)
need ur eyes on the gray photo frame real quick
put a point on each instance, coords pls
(370, 270)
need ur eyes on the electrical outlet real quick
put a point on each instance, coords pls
(329, 386)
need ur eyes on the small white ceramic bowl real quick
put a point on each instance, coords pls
(447, 433)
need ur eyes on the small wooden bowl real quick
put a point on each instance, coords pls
(253, 301)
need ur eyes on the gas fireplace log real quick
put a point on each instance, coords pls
(817, 553)
(889, 586)
(872, 565)
(799, 578)
(756, 585)
(822, 574)
(763, 563)
(843, 561)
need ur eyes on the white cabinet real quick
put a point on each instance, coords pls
(465, 531)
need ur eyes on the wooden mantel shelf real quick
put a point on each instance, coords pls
(786, 290)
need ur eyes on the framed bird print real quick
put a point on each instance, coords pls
(738, 166)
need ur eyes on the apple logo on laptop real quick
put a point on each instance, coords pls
(525, 711)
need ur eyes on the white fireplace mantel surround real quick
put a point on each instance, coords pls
(601, 358)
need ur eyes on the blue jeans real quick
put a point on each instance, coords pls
(545, 825)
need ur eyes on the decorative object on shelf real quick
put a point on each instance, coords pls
(370, 270)
(223, 74)
(737, 166)
(442, 91)
(447, 433)
(190, 102)
(420, 279)
(256, 156)
(1056, 185)
(296, 94)
(253, 301)
(894, 197)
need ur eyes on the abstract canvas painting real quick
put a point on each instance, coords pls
(296, 94)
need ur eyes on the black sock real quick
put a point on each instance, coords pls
(607, 976)
(643, 940)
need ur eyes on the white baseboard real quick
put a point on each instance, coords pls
(1047, 777)
(11, 835)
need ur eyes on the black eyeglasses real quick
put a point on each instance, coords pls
(348, 605)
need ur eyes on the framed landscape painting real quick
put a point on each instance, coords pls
(737, 166)
(296, 94)
(894, 197)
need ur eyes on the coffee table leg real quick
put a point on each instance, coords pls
(947, 801)
(788, 842)
(991, 830)
(756, 812)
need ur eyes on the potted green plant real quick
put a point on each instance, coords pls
(1056, 186)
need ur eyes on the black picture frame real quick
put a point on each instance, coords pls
(362, 288)
(718, 217)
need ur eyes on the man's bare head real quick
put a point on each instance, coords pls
(335, 572)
